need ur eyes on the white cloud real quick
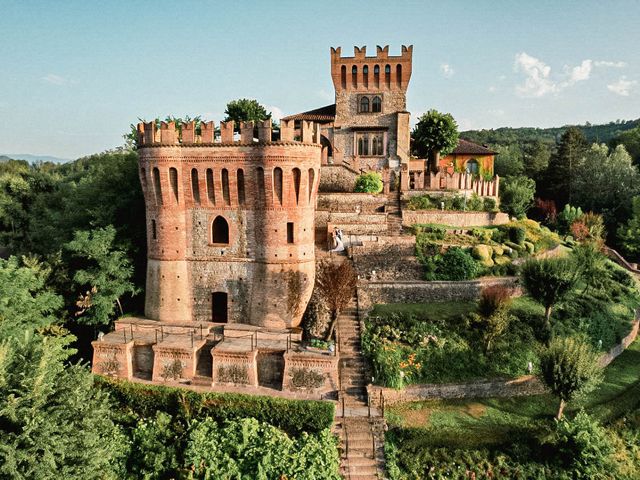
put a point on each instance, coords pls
(579, 73)
(54, 79)
(604, 63)
(537, 82)
(447, 70)
(276, 113)
(623, 86)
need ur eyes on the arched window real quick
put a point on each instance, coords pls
(376, 75)
(260, 182)
(343, 77)
(376, 104)
(363, 145)
(374, 146)
(377, 145)
(241, 194)
(365, 76)
(173, 179)
(225, 187)
(364, 104)
(157, 188)
(220, 231)
(195, 187)
(472, 167)
(296, 183)
(387, 74)
(399, 75)
(210, 188)
(277, 183)
(312, 177)
(354, 76)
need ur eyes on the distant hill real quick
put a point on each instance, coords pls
(507, 135)
(32, 158)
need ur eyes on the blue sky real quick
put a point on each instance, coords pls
(75, 74)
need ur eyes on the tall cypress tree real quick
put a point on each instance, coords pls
(569, 154)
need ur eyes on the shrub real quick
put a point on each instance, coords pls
(433, 231)
(517, 234)
(475, 203)
(292, 416)
(516, 196)
(370, 182)
(457, 202)
(483, 234)
(567, 216)
(421, 202)
(490, 204)
(155, 447)
(457, 264)
(493, 298)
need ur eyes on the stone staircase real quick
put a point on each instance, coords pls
(394, 214)
(359, 427)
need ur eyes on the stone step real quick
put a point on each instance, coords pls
(359, 471)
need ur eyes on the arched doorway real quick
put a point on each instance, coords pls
(327, 150)
(219, 307)
(220, 231)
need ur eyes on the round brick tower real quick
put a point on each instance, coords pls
(230, 224)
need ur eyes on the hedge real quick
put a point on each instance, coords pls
(292, 416)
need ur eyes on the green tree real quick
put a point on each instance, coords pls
(569, 368)
(516, 196)
(509, 161)
(435, 134)
(155, 443)
(631, 141)
(493, 315)
(370, 182)
(629, 233)
(245, 110)
(536, 155)
(563, 163)
(105, 277)
(591, 264)
(548, 281)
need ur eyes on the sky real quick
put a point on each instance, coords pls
(75, 74)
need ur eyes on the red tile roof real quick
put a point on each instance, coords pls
(465, 147)
(322, 114)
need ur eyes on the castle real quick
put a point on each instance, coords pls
(232, 229)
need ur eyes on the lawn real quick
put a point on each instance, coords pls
(471, 423)
(436, 311)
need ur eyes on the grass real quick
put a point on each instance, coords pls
(472, 423)
(435, 311)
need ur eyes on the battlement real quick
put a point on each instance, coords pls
(172, 134)
(379, 72)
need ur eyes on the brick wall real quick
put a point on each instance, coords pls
(453, 218)
(337, 178)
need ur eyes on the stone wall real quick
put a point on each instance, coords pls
(242, 364)
(113, 359)
(326, 365)
(351, 202)
(372, 293)
(611, 355)
(454, 218)
(337, 178)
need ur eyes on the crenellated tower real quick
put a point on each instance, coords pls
(371, 127)
(230, 221)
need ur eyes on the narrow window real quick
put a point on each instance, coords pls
(376, 75)
(365, 76)
(173, 179)
(364, 104)
(195, 186)
(260, 182)
(296, 183)
(387, 74)
(210, 188)
(363, 145)
(219, 307)
(312, 176)
(290, 232)
(225, 186)
(154, 231)
(354, 76)
(156, 186)
(277, 183)
(220, 231)
(241, 195)
(374, 146)
(399, 75)
(376, 104)
(343, 77)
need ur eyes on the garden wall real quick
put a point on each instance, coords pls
(351, 202)
(454, 218)
(337, 178)
(372, 293)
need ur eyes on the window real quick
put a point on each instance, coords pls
(173, 179)
(365, 76)
(154, 231)
(277, 183)
(312, 175)
(225, 186)
(260, 181)
(370, 144)
(210, 188)
(195, 187)
(376, 75)
(289, 232)
(296, 183)
(399, 74)
(377, 145)
(364, 104)
(343, 77)
(376, 104)
(220, 231)
(472, 167)
(241, 194)
(387, 74)
(363, 144)
(156, 186)
(354, 76)
(219, 307)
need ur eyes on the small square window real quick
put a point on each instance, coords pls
(290, 232)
